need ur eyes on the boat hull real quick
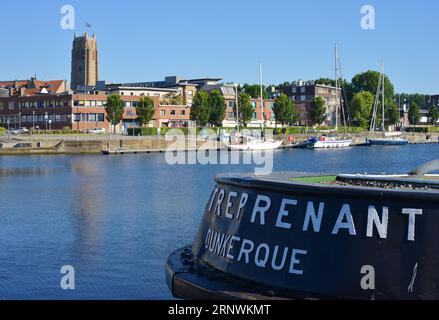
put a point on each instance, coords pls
(331, 144)
(282, 238)
(256, 146)
(387, 142)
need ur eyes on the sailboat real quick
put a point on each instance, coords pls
(249, 143)
(390, 138)
(328, 142)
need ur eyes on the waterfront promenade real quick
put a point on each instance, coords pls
(95, 143)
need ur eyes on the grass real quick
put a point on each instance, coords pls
(317, 179)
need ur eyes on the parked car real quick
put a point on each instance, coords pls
(24, 130)
(97, 131)
(15, 132)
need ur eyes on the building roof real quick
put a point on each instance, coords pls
(33, 86)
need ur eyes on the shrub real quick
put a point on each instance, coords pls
(417, 129)
(142, 131)
(2, 131)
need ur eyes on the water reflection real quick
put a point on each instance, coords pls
(116, 219)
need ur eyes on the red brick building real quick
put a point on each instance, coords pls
(80, 112)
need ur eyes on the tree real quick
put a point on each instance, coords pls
(145, 110)
(368, 81)
(414, 114)
(361, 108)
(284, 110)
(246, 109)
(201, 110)
(218, 108)
(114, 110)
(433, 114)
(318, 110)
(393, 113)
(254, 90)
(172, 99)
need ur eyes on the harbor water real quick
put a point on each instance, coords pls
(115, 219)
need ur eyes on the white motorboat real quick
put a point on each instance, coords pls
(330, 143)
(256, 144)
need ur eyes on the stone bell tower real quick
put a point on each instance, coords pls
(84, 61)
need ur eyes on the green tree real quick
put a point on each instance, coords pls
(284, 110)
(368, 81)
(145, 110)
(254, 90)
(114, 110)
(201, 110)
(246, 109)
(361, 108)
(393, 114)
(218, 108)
(433, 114)
(318, 110)
(172, 99)
(414, 114)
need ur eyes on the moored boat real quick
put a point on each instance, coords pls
(325, 142)
(311, 236)
(387, 141)
(256, 144)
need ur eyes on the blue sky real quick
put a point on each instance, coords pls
(146, 40)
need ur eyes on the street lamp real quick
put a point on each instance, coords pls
(46, 118)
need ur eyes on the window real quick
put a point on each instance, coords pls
(11, 105)
(77, 117)
(76, 103)
(101, 117)
(231, 104)
(57, 118)
(162, 112)
(302, 89)
(84, 117)
(127, 104)
(99, 103)
(302, 98)
(172, 112)
(183, 112)
(293, 90)
(92, 117)
(87, 103)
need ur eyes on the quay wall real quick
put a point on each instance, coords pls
(94, 145)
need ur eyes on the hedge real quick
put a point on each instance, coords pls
(422, 129)
(56, 132)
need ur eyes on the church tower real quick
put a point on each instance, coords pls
(84, 61)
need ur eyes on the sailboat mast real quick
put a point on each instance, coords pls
(383, 77)
(336, 87)
(262, 98)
